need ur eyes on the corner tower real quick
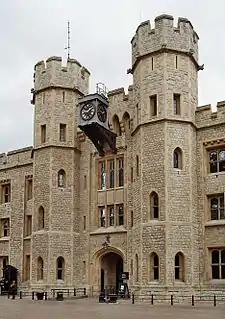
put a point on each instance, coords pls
(55, 237)
(164, 67)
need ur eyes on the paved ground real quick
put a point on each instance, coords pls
(90, 309)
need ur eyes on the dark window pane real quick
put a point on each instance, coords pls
(156, 261)
(222, 213)
(59, 263)
(215, 257)
(59, 274)
(175, 160)
(222, 272)
(223, 257)
(213, 168)
(156, 273)
(177, 273)
(222, 166)
(155, 212)
(214, 214)
(215, 272)
(177, 261)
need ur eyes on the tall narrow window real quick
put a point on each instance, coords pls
(126, 122)
(61, 178)
(177, 158)
(136, 268)
(116, 125)
(120, 172)
(153, 105)
(176, 104)
(111, 174)
(102, 174)
(29, 225)
(131, 219)
(154, 267)
(60, 268)
(111, 215)
(63, 96)
(120, 215)
(84, 222)
(40, 269)
(154, 206)
(102, 217)
(41, 218)
(84, 269)
(43, 133)
(5, 193)
(132, 174)
(29, 186)
(5, 227)
(62, 132)
(218, 264)
(152, 63)
(27, 268)
(137, 165)
(176, 61)
(179, 267)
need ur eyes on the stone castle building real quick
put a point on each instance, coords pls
(154, 209)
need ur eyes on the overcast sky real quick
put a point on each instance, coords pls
(101, 30)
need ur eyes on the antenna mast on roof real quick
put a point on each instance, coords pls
(68, 40)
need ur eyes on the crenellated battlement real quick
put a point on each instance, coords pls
(205, 116)
(165, 36)
(119, 94)
(19, 157)
(51, 73)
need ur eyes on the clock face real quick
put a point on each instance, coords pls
(102, 114)
(87, 112)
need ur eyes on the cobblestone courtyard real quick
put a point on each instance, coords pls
(90, 309)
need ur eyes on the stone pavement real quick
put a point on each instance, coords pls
(91, 309)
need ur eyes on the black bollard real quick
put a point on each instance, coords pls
(152, 300)
(192, 300)
(171, 300)
(32, 295)
(132, 298)
(214, 301)
(84, 291)
(74, 292)
(21, 295)
(46, 295)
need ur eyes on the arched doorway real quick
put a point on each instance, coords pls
(111, 269)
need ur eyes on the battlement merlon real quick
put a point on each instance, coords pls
(205, 116)
(53, 74)
(165, 36)
(119, 94)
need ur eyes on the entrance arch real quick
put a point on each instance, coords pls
(111, 265)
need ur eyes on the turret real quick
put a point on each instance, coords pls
(164, 68)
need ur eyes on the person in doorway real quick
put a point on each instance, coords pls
(13, 289)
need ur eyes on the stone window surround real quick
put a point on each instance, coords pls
(105, 176)
(104, 218)
(219, 211)
(219, 264)
(5, 191)
(5, 227)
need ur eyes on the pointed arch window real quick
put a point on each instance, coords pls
(40, 269)
(154, 205)
(41, 218)
(177, 158)
(62, 178)
(179, 267)
(126, 122)
(60, 268)
(154, 267)
(116, 125)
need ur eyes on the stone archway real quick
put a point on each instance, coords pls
(106, 269)
(111, 269)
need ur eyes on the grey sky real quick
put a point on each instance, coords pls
(32, 30)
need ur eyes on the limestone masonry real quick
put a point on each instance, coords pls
(70, 218)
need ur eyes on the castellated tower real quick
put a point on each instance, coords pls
(56, 171)
(164, 68)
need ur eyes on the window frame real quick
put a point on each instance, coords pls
(213, 160)
(220, 264)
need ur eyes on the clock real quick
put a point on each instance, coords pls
(87, 112)
(101, 112)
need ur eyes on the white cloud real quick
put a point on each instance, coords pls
(101, 32)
